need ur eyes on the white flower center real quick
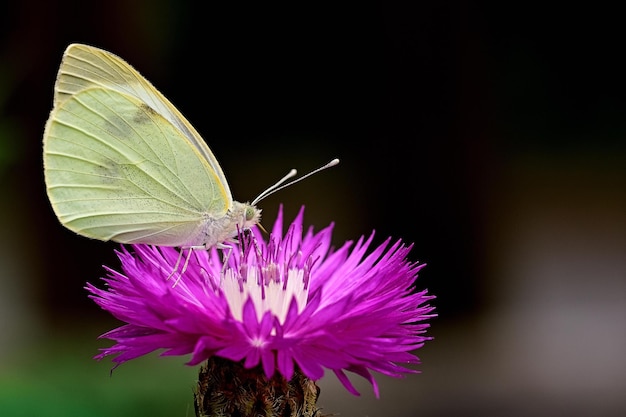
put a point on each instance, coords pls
(268, 287)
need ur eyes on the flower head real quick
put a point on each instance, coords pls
(287, 301)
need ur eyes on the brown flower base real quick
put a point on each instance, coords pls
(227, 389)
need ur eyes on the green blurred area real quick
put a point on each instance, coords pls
(58, 379)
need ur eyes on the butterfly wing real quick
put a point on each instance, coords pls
(118, 169)
(86, 67)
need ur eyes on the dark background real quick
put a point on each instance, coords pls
(492, 137)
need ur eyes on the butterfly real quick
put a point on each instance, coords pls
(121, 163)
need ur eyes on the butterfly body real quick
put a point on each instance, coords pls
(122, 164)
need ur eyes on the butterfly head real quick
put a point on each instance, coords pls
(251, 216)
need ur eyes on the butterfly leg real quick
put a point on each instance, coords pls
(185, 265)
(226, 251)
(180, 256)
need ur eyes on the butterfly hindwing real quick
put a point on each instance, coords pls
(116, 169)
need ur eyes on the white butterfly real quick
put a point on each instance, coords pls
(122, 164)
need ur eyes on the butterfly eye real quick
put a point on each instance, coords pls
(250, 213)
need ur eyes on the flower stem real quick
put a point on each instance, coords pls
(227, 389)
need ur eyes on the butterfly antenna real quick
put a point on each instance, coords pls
(281, 183)
(267, 192)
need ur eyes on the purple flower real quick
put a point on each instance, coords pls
(289, 301)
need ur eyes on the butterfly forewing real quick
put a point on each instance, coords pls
(86, 67)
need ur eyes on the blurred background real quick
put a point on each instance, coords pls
(493, 137)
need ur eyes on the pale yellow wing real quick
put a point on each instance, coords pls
(117, 168)
(86, 67)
